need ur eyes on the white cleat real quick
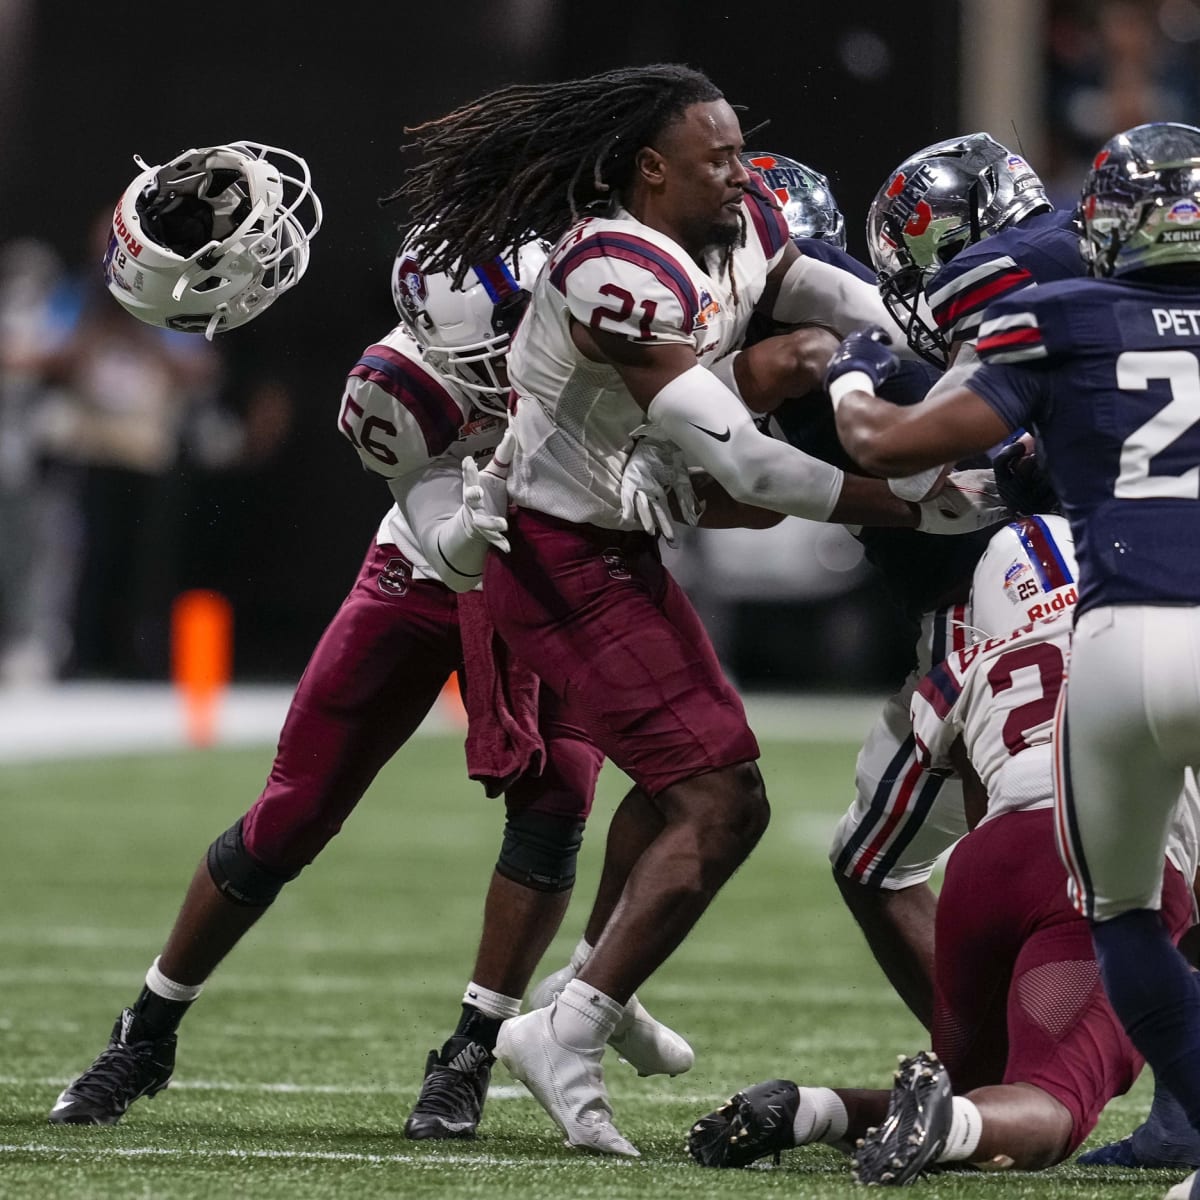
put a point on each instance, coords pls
(1185, 1189)
(649, 1046)
(566, 1081)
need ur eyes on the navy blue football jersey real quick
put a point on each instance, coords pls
(1041, 249)
(921, 571)
(1108, 374)
(827, 252)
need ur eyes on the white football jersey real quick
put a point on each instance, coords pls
(404, 419)
(1000, 696)
(573, 417)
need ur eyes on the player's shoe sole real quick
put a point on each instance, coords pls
(915, 1129)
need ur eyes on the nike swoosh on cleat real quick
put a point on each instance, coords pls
(719, 437)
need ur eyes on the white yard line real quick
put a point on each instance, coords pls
(76, 720)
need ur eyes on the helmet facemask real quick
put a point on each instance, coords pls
(465, 332)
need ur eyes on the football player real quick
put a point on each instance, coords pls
(1104, 371)
(419, 406)
(1022, 1025)
(666, 246)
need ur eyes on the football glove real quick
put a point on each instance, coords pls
(968, 501)
(1023, 484)
(654, 467)
(485, 495)
(867, 350)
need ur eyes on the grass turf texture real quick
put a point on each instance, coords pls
(297, 1067)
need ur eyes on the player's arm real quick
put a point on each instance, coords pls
(802, 290)
(454, 532)
(714, 430)
(779, 368)
(886, 439)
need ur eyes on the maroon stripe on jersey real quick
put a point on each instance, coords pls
(939, 689)
(766, 217)
(432, 407)
(979, 296)
(632, 249)
(1006, 339)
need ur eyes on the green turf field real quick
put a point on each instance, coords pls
(297, 1067)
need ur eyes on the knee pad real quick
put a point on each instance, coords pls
(539, 851)
(238, 875)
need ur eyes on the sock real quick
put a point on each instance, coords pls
(580, 954)
(966, 1128)
(483, 1012)
(161, 1005)
(1155, 994)
(820, 1117)
(584, 1017)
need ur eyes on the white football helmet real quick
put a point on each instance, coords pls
(1027, 573)
(464, 333)
(206, 241)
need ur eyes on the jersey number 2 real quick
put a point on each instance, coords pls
(1048, 660)
(1135, 369)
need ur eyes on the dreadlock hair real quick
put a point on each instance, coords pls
(528, 160)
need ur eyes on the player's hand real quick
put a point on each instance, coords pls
(867, 350)
(1024, 485)
(655, 467)
(968, 501)
(485, 495)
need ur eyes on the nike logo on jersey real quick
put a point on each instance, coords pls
(717, 437)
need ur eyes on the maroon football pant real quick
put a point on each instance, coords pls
(1018, 996)
(600, 620)
(371, 681)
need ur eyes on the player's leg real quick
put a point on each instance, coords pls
(900, 821)
(644, 1042)
(527, 897)
(611, 632)
(372, 678)
(1129, 725)
(885, 847)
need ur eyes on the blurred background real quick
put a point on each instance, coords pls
(135, 466)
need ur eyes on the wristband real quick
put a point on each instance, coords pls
(851, 381)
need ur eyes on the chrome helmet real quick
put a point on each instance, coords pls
(1141, 200)
(937, 201)
(804, 195)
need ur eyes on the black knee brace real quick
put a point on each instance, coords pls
(539, 850)
(238, 875)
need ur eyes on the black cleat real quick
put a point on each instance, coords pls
(451, 1100)
(756, 1122)
(124, 1072)
(915, 1129)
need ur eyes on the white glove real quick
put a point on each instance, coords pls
(968, 501)
(654, 467)
(484, 510)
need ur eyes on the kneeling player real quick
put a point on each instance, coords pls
(1027, 1049)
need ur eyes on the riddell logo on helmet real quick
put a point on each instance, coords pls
(131, 243)
(1057, 603)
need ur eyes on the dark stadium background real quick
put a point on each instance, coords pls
(850, 89)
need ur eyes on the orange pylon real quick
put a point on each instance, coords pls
(201, 658)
